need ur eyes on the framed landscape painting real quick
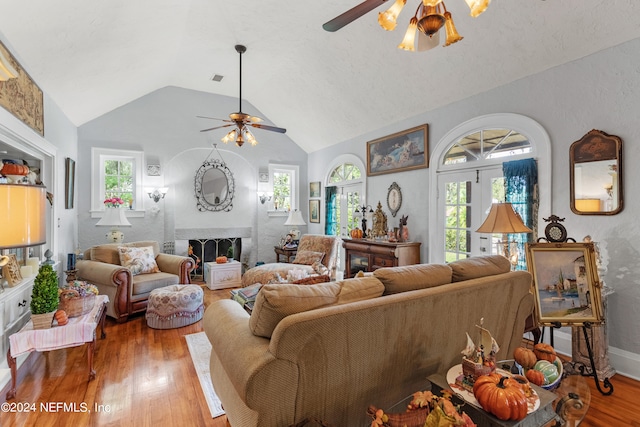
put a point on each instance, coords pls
(314, 211)
(401, 151)
(314, 189)
(567, 289)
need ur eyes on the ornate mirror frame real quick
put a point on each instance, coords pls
(595, 166)
(203, 204)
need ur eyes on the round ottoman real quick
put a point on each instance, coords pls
(174, 306)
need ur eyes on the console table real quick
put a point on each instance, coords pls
(369, 255)
(80, 330)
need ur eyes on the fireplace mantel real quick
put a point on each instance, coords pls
(212, 233)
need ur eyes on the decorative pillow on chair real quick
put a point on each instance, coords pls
(138, 260)
(308, 257)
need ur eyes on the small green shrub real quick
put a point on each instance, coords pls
(44, 296)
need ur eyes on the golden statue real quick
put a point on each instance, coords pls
(379, 222)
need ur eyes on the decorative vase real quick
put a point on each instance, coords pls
(43, 321)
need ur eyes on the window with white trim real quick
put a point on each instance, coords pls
(284, 182)
(116, 173)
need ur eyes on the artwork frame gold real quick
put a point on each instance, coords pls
(314, 189)
(21, 96)
(314, 211)
(401, 151)
(11, 271)
(566, 285)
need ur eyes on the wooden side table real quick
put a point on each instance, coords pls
(289, 254)
(27, 339)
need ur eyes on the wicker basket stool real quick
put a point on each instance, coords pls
(174, 306)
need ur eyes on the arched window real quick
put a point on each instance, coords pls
(467, 176)
(345, 190)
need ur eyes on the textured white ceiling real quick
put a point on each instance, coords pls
(92, 56)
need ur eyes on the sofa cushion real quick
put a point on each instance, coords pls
(474, 267)
(412, 277)
(145, 283)
(360, 288)
(275, 302)
(138, 260)
(308, 257)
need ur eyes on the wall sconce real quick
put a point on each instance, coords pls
(265, 196)
(157, 193)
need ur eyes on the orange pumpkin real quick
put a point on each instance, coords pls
(356, 233)
(525, 357)
(61, 317)
(535, 377)
(502, 396)
(14, 169)
(544, 352)
(221, 259)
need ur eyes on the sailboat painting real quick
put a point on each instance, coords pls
(566, 282)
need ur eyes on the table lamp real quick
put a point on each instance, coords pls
(503, 219)
(114, 218)
(294, 219)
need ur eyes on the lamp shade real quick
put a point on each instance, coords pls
(22, 218)
(295, 218)
(114, 217)
(503, 219)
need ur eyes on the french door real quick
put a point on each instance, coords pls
(464, 199)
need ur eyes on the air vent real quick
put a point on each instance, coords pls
(217, 78)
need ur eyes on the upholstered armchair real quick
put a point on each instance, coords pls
(317, 254)
(128, 292)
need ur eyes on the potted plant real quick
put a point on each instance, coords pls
(44, 297)
(230, 253)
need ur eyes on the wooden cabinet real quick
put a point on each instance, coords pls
(369, 255)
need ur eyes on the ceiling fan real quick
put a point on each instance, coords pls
(240, 120)
(352, 14)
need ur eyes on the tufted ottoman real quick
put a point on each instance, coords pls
(175, 306)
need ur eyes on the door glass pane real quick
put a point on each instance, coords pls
(457, 220)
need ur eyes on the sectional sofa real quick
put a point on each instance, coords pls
(329, 350)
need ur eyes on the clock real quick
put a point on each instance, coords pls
(394, 198)
(554, 231)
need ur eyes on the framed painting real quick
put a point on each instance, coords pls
(69, 182)
(314, 189)
(21, 96)
(399, 152)
(314, 211)
(567, 288)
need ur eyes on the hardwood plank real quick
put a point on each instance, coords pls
(145, 377)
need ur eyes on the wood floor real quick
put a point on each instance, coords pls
(145, 377)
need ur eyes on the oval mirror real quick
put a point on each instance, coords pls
(214, 186)
(596, 174)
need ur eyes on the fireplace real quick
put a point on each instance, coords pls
(206, 250)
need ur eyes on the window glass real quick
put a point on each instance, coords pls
(487, 144)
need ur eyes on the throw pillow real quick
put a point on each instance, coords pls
(312, 280)
(275, 302)
(308, 257)
(138, 260)
(412, 277)
(474, 267)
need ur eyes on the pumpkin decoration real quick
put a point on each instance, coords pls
(502, 396)
(221, 260)
(535, 377)
(61, 317)
(356, 233)
(544, 351)
(548, 369)
(525, 357)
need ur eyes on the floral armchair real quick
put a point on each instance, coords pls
(317, 255)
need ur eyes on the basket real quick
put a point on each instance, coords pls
(42, 321)
(75, 305)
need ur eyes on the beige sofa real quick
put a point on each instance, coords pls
(278, 366)
(128, 293)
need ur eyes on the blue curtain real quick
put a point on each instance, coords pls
(521, 190)
(331, 218)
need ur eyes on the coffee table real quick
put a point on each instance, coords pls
(79, 331)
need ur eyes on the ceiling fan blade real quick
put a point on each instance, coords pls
(255, 119)
(352, 14)
(267, 127)
(217, 127)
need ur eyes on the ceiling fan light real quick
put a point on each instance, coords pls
(250, 138)
(388, 19)
(450, 28)
(477, 6)
(240, 140)
(231, 136)
(409, 41)
(431, 20)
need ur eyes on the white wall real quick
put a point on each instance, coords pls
(601, 91)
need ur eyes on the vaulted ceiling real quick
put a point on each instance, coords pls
(92, 56)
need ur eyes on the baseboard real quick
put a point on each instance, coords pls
(624, 362)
